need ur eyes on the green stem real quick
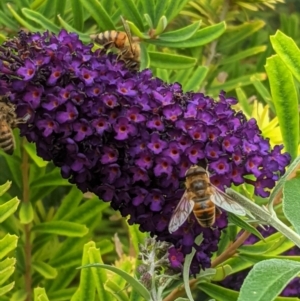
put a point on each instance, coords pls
(264, 216)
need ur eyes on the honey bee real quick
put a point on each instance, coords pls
(200, 197)
(128, 47)
(8, 121)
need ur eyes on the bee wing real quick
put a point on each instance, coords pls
(128, 32)
(181, 213)
(224, 201)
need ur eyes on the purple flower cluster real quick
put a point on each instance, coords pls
(235, 281)
(129, 137)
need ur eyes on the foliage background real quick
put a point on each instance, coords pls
(58, 228)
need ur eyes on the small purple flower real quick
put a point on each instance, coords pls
(68, 115)
(82, 129)
(123, 128)
(156, 123)
(28, 71)
(176, 258)
(156, 145)
(221, 166)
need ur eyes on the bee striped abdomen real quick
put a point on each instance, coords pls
(204, 211)
(7, 141)
(111, 38)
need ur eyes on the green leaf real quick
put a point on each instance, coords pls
(99, 275)
(52, 178)
(130, 12)
(291, 202)
(264, 93)
(40, 19)
(181, 34)
(87, 284)
(187, 265)
(241, 32)
(6, 288)
(170, 61)
(161, 25)
(136, 32)
(6, 273)
(136, 237)
(4, 187)
(288, 51)
(267, 279)
(8, 208)
(21, 19)
(294, 166)
(45, 269)
(241, 81)
(118, 292)
(145, 59)
(83, 37)
(244, 225)
(196, 79)
(77, 11)
(286, 102)
(243, 101)
(31, 151)
(40, 294)
(26, 213)
(99, 14)
(136, 285)
(243, 54)
(148, 18)
(7, 244)
(174, 8)
(62, 228)
(219, 292)
(201, 37)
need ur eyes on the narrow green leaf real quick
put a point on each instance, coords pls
(5, 289)
(83, 37)
(174, 7)
(160, 9)
(267, 279)
(31, 151)
(136, 237)
(8, 208)
(40, 294)
(162, 74)
(170, 61)
(62, 294)
(45, 269)
(219, 292)
(161, 25)
(288, 51)
(118, 292)
(241, 32)
(181, 299)
(99, 275)
(264, 93)
(145, 59)
(19, 295)
(87, 284)
(243, 54)
(237, 82)
(244, 225)
(148, 18)
(130, 12)
(7, 244)
(52, 178)
(294, 166)
(99, 14)
(196, 79)
(131, 280)
(62, 228)
(286, 102)
(77, 12)
(40, 19)
(4, 187)
(5, 274)
(243, 101)
(181, 34)
(259, 249)
(136, 32)
(26, 213)
(186, 268)
(201, 37)
(21, 19)
(291, 202)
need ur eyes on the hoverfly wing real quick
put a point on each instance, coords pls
(224, 201)
(181, 213)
